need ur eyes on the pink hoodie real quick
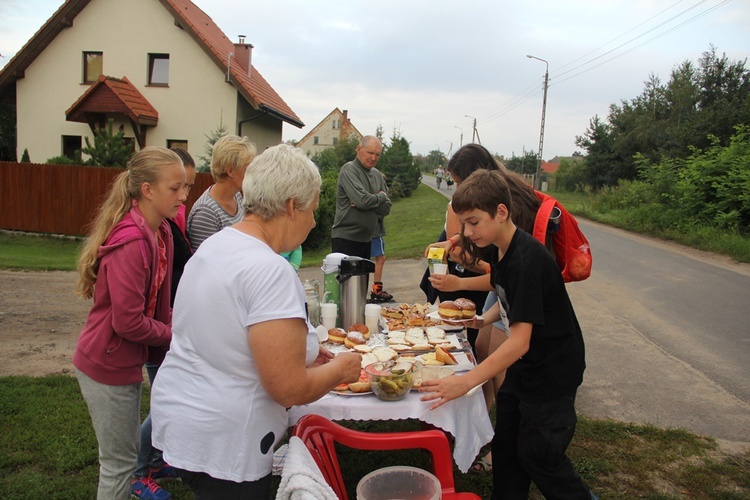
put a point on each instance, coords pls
(114, 343)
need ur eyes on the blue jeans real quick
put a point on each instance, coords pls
(148, 457)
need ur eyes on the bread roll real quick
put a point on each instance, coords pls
(336, 335)
(354, 338)
(360, 387)
(449, 310)
(359, 327)
(468, 308)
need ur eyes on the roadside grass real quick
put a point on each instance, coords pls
(37, 253)
(413, 223)
(656, 221)
(48, 450)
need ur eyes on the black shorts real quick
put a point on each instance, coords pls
(351, 248)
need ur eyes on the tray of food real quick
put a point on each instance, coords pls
(404, 316)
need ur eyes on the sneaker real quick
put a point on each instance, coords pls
(381, 296)
(165, 472)
(145, 488)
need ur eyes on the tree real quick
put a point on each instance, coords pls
(217, 134)
(110, 149)
(25, 156)
(701, 104)
(525, 165)
(598, 142)
(397, 163)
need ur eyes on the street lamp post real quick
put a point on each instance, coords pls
(461, 141)
(538, 177)
(474, 128)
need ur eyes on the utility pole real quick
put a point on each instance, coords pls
(461, 141)
(538, 178)
(474, 128)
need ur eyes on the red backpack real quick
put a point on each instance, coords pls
(572, 250)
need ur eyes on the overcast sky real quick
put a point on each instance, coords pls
(421, 66)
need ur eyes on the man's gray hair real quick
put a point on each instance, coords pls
(278, 174)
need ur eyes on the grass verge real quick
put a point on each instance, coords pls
(37, 253)
(413, 223)
(658, 222)
(48, 450)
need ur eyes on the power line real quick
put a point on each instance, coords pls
(620, 36)
(655, 37)
(527, 94)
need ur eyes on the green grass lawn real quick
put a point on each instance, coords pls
(48, 450)
(37, 253)
(413, 223)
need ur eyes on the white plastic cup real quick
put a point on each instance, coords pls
(440, 269)
(372, 317)
(328, 313)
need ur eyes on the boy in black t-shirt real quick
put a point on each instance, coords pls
(543, 356)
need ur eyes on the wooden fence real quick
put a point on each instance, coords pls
(60, 199)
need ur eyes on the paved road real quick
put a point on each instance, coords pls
(667, 332)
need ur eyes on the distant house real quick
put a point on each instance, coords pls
(161, 69)
(333, 128)
(550, 167)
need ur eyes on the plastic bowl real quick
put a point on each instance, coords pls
(391, 380)
(399, 482)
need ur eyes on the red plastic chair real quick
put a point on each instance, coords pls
(319, 435)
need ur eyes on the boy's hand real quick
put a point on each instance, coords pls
(445, 282)
(443, 390)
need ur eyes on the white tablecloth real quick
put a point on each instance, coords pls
(465, 418)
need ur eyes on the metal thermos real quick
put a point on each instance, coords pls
(354, 277)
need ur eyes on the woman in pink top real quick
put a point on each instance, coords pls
(125, 265)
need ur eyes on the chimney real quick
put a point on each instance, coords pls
(346, 113)
(243, 54)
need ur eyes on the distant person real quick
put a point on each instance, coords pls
(125, 265)
(220, 205)
(361, 197)
(439, 173)
(243, 350)
(448, 181)
(294, 257)
(151, 466)
(543, 356)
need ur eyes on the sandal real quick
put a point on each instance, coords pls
(484, 464)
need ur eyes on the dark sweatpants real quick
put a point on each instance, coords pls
(529, 445)
(351, 248)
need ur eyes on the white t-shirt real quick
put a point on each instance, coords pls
(209, 411)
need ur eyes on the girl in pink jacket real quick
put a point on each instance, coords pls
(125, 265)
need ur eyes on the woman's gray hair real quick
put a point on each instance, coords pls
(279, 174)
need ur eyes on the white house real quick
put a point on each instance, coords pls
(333, 128)
(162, 69)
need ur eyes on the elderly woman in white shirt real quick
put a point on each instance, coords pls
(243, 349)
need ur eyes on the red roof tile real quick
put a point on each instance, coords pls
(550, 167)
(256, 88)
(113, 95)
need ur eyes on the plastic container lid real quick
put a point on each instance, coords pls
(399, 482)
(331, 262)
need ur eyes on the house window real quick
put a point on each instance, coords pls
(315, 139)
(71, 146)
(335, 124)
(93, 64)
(158, 69)
(335, 140)
(177, 143)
